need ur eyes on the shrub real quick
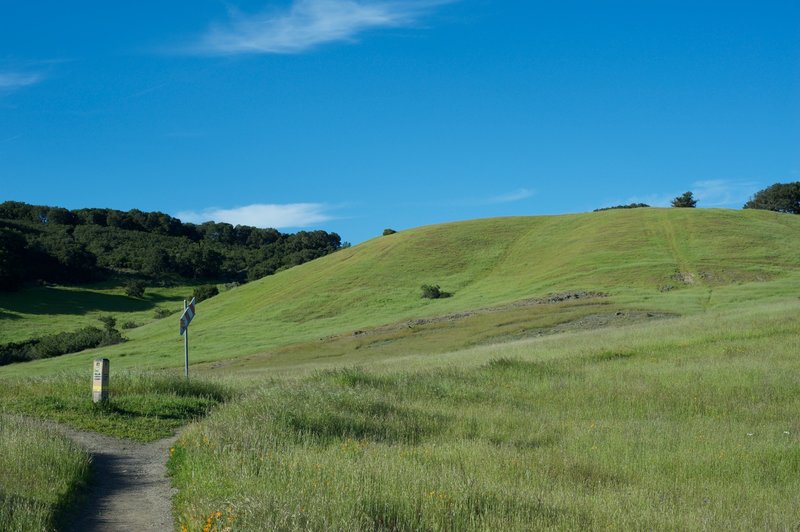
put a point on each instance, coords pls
(134, 289)
(60, 344)
(130, 325)
(433, 291)
(108, 321)
(387, 232)
(205, 291)
(162, 313)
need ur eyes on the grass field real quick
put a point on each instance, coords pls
(660, 426)
(41, 473)
(662, 394)
(38, 311)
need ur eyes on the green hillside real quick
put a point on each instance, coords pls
(672, 261)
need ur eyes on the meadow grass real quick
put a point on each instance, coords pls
(41, 473)
(141, 406)
(682, 425)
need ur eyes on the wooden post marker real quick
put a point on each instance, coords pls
(100, 380)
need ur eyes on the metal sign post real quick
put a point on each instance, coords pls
(186, 319)
(185, 346)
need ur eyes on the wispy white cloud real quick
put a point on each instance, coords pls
(307, 24)
(708, 193)
(517, 195)
(654, 200)
(11, 81)
(10, 139)
(263, 215)
(723, 192)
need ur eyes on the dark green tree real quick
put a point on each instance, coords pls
(780, 197)
(12, 259)
(685, 200)
(134, 288)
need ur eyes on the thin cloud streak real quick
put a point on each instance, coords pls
(308, 24)
(723, 192)
(10, 139)
(517, 195)
(11, 81)
(262, 215)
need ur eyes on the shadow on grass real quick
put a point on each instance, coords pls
(8, 316)
(56, 300)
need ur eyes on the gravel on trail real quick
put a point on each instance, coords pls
(129, 488)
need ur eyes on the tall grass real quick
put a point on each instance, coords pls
(679, 426)
(40, 473)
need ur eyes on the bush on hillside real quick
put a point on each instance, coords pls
(780, 197)
(205, 291)
(433, 291)
(59, 344)
(387, 232)
(109, 322)
(161, 313)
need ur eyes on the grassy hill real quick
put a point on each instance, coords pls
(668, 261)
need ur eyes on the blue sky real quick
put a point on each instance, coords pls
(358, 115)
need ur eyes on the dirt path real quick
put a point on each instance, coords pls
(129, 488)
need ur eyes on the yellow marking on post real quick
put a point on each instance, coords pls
(100, 377)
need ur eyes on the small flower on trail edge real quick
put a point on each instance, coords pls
(749, 433)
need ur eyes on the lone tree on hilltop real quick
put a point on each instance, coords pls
(685, 200)
(780, 197)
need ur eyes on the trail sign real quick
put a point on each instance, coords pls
(186, 319)
(187, 316)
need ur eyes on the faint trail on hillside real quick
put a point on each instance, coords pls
(129, 488)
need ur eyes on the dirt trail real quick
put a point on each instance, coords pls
(129, 489)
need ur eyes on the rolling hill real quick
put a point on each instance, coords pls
(656, 261)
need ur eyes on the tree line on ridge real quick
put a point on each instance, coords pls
(53, 244)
